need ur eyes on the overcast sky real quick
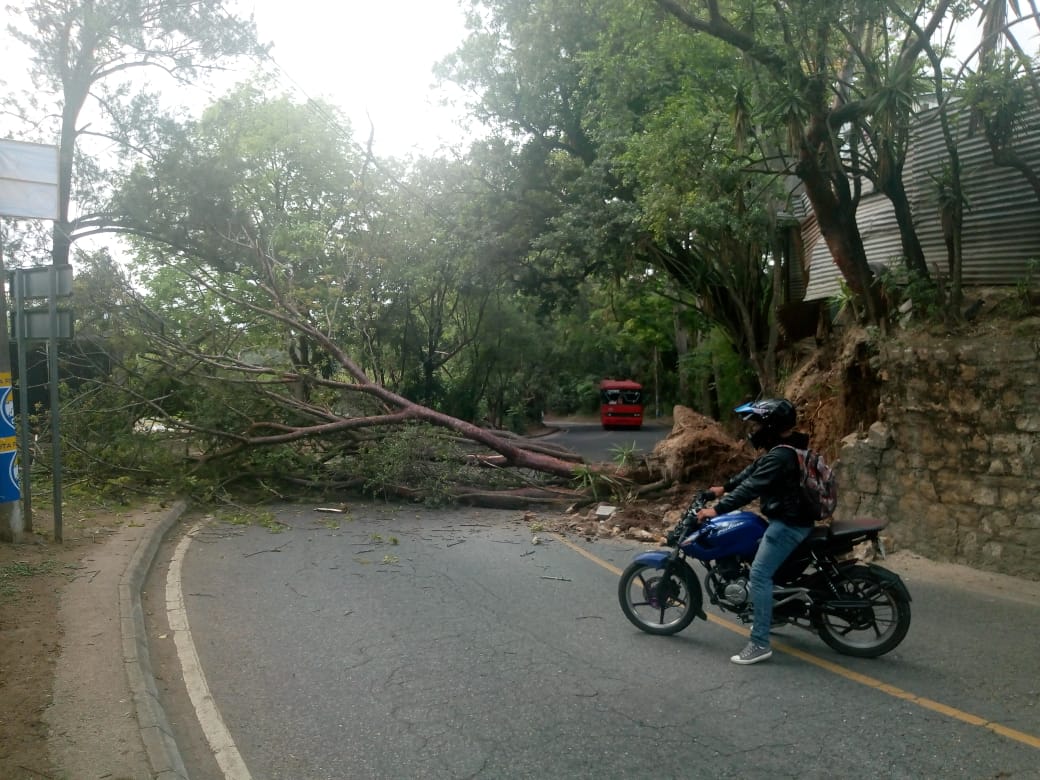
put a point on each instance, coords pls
(372, 59)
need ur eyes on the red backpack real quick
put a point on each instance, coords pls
(819, 483)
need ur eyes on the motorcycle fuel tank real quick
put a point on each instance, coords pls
(734, 533)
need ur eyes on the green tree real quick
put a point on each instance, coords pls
(999, 96)
(840, 75)
(259, 233)
(630, 158)
(254, 177)
(84, 53)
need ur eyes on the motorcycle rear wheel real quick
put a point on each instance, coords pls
(656, 605)
(865, 631)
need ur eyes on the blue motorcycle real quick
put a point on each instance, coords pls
(858, 609)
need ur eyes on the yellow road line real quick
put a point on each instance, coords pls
(863, 679)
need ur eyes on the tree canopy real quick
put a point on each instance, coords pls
(84, 57)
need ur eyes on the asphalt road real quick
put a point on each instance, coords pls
(393, 642)
(598, 445)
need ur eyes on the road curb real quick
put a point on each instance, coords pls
(163, 754)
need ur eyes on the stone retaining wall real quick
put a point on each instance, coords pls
(954, 461)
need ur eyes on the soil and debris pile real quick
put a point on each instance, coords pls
(697, 453)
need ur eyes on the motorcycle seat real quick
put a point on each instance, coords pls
(844, 529)
(858, 526)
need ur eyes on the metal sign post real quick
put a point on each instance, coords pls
(52, 381)
(17, 292)
(47, 324)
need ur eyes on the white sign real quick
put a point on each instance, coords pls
(28, 180)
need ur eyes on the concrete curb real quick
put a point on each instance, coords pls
(163, 753)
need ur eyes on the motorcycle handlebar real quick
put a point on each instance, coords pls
(701, 501)
(688, 521)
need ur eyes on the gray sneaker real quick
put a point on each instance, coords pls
(752, 654)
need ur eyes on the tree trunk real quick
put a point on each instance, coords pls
(682, 350)
(829, 193)
(514, 455)
(61, 245)
(913, 252)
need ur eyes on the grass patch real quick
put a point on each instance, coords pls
(11, 573)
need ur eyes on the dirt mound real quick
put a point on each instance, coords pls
(696, 454)
(698, 451)
(836, 391)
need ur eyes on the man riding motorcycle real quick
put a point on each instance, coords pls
(775, 479)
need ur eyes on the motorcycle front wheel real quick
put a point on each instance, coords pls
(868, 619)
(656, 604)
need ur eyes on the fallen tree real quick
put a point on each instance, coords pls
(233, 419)
(232, 423)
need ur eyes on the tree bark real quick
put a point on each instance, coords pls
(830, 194)
(910, 242)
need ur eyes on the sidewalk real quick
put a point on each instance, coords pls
(106, 720)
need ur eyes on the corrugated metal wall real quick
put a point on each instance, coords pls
(1001, 226)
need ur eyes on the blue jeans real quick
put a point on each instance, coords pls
(778, 542)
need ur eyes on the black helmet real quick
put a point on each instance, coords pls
(773, 415)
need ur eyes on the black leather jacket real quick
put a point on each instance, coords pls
(775, 479)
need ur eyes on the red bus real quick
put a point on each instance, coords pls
(620, 403)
